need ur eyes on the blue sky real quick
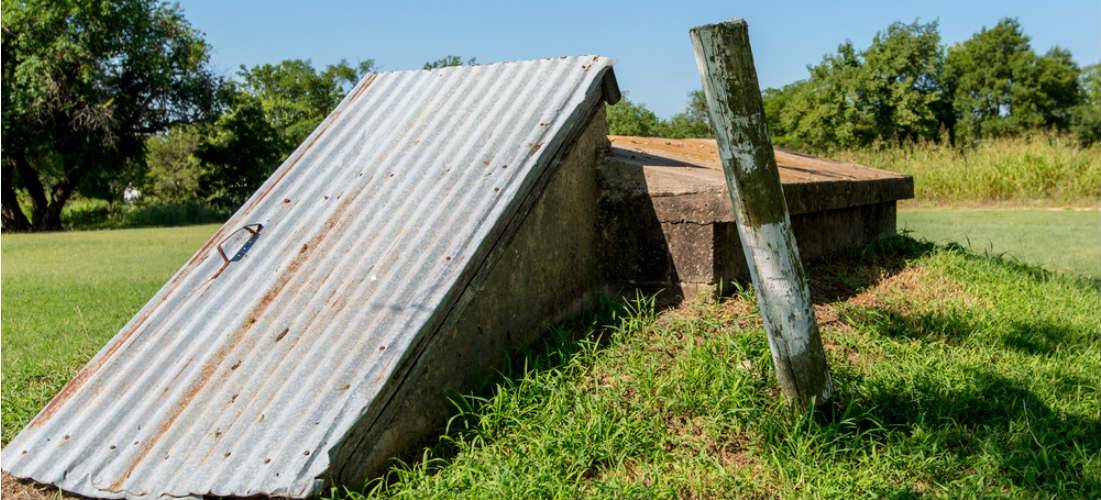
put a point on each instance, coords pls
(649, 41)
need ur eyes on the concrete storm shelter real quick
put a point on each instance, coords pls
(429, 227)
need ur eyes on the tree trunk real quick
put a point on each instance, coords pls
(12, 214)
(726, 67)
(51, 219)
(45, 211)
(33, 184)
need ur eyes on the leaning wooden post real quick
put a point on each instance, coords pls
(764, 226)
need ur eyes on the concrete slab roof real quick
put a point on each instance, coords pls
(691, 168)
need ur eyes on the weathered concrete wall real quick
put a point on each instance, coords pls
(818, 234)
(668, 225)
(548, 270)
(687, 258)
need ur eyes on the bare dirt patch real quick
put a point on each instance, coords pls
(16, 489)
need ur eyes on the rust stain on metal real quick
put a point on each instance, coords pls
(176, 377)
(205, 249)
(211, 366)
(363, 87)
(204, 377)
(85, 373)
(91, 368)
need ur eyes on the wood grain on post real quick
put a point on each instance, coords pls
(726, 67)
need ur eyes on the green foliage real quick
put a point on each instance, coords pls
(905, 88)
(775, 102)
(629, 118)
(1001, 87)
(241, 149)
(295, 97)
(448, 61)
(693, 121)
(1086, 117)
(889, 93)
(831, 107)
(174, 171)
(269, 112)
(903, 70)
(84, 82)
(91, 214)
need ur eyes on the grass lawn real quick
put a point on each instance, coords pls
(1059, 240)
(959, 375)
(66, 294)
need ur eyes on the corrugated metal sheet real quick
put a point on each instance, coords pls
(240, 377)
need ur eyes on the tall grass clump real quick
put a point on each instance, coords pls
(1035, 169)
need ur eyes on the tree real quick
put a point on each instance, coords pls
(999, 86)
(269, 112)
(694, 121)
(295, 97)
(84, 82)
(889, 92)
(1055, 89)
(241, 149)
(628, 118)
(831, 109)
(448, 61)
(775, 102)
(1085, 121)
(173, 170)
(903, 70)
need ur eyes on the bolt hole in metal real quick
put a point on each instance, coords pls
(253, 231)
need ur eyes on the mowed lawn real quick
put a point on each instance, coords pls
(958, 375)
(66, 294)
(1065, 241)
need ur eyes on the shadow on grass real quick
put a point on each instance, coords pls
(842, 276)
(984, 417)
(1039, 337)
(1036, 336)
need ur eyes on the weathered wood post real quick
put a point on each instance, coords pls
(725, 63)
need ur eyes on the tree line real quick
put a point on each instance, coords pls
(99, 95)
(906, 87)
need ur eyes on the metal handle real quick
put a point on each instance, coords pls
(253, 230)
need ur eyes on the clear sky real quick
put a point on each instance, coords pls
(648, 40)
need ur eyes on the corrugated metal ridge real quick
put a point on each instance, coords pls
(243, 384)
